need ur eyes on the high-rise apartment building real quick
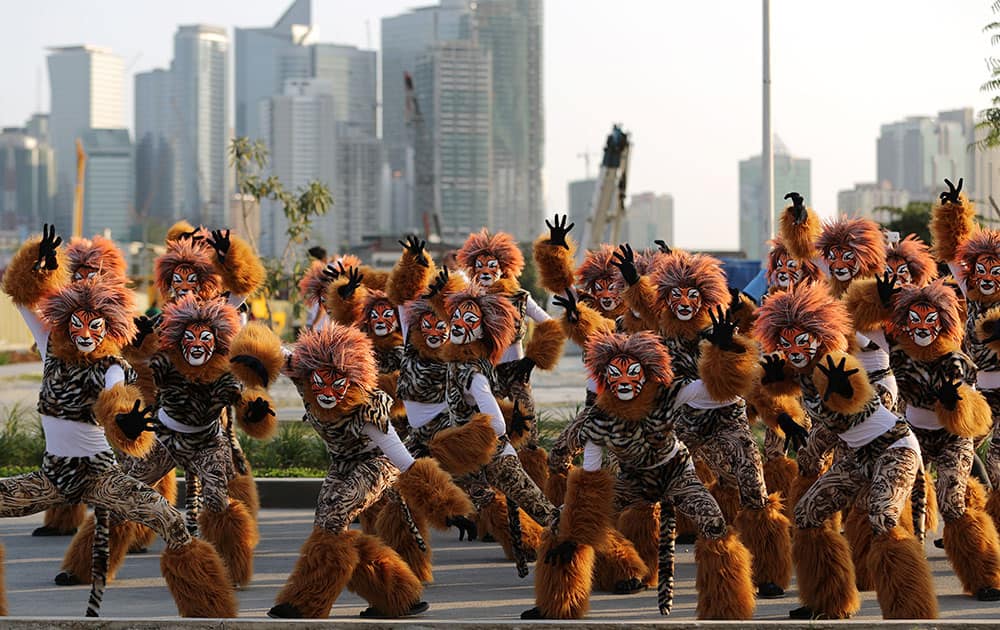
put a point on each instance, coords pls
(351, 74)
(917, 153)
(581, 200)
(649, 217)
(108, 194)
(155, 106)
(790, 174)
(27, 182)
(866, 199)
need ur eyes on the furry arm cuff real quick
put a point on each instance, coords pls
(409, 279)
(861, 390)
(587, 325)
(261, 428)
(800, 238)
(25, 285)
(726, 374)
(865, 305)
(466, 448)
(242, 272)
(345, 311)
(546, 344)
(951, 225)
(120, 398)
(971, 416)
(554, 263)
(641, 298)
(429, 491)
(255, 355)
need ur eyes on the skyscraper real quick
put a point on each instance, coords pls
(581, 198)
(86, 87)
(26, 183)
(790, 174)
(200, 124)
(108, 193)
(351, 75)
(154, 146)
(649, 217)
(916, 154)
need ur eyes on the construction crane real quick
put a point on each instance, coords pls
(607, 210)
(420, 167)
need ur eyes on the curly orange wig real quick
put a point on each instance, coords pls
(499, 318)
(312, 286)
(699, 271)
(99, 255)
(810, 272)
(110, 300)
(217, 313)
(597, 266)
(500, 245)
(198, 257)
(647, 259)
(809, 307)
(344, 349)
(917, 256)
(937, 295)
(863, 236)
(644, 347)
(984, 242)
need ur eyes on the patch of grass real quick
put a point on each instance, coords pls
(296, 445)
(13, 471)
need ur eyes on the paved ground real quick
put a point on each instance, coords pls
(472, 582)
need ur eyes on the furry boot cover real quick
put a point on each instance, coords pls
(641, 525)
(243, 488)
(324, 567)
(858, 531)
(493, 520)
(562, 589)
(430, 492)
(993, 507)
(902, 576)
(383, 578)
(78, 560)
(766, 533)
(167, 487)
(535, 460)
(825, 573)
(369, 517)
(392, 528)
(725, 588)
(728, 498)
(618, 564)
(779, 476)
(234, 534)
(974, 551)
(65, 519)
(975, 494)
(555, 486)
(198, 581)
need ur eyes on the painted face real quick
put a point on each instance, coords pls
(799, 346)
(986, 274)
(844, 263)
(434, 330)
(487, 270)
(685, 302)
(466, 323)
(923, 324)
(183, 281)
(382, 318)
(198, 344)
(899, 268)
(83, 272)
(87, 330)
(786, 272)
(329, 387)
(608, 294)
(625, 377)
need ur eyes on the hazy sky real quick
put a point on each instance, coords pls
(683, 77)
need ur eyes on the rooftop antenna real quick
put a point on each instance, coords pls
(586, 162)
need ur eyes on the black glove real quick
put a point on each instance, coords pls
(47, 249)
(257, 410)
(193, 235)
(947, 394)
(624, 259)
(795, 434)
(663, 246)
(133, 423)
(220, 243)
(519, 423)
(798, 208)
(144, 326)
(416, 248)
(317, 252)
(332, 271)
(438, 285)
(774, 369)
(464, 525)
(354, 278)
(522, 371)
(559, 230)
(723, 329)
(735, 301)
(568, 303)
(252, 363)
(838, 379)
(951, 195)
(561, 553)
(887, 288)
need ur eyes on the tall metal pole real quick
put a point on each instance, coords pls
(767, 150)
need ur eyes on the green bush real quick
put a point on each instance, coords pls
(296, 445)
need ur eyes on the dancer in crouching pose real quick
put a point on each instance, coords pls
(334, 371)
(87, 400)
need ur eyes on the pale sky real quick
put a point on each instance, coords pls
(683, 77)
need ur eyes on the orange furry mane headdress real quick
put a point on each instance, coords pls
(810, 272)
(647, 259)
(702, 272)
(596, 266)
(187, 252)
(644, 347)
(216, 313)
(110, 300)
(809, 307)
(917, 256)
(983, 242)
(500, 245)
(938, 295)
(861, 235)
(344, 349)
(312, 286)
(499, 318)
(99, 254)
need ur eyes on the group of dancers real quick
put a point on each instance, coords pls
(880, 378)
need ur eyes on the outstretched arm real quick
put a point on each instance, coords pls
(554, 256)
(412, 273)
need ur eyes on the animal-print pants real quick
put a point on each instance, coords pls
(351, 487)
(993, 452)
(517, 391)
(505, 473)
(952, 456)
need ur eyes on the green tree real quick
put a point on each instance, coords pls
(989, 124)
(913, 219)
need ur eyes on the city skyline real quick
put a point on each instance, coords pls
(685, 145)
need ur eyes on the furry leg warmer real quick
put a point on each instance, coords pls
(233, 531)
(324, 567)
(780, 474)
(973, 549)
(383, 578)
(725, 588)
(243, 488)
(493, 520)
(62, 520)
(618, 565)
(858, 531)
(198, 581)
(562, 589)
(369, 517)
(392, 528)
(555, 486)
(825, 573)
(902, 576)
(766, 533)
(993, 507)
(78, 560)
(641, 525)
(535, 460)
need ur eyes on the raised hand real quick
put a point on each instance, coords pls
(561, 553)
(795, 434)
(464, 525)
(722, 331)
(519, 422)
(257, 410)
(798, 208)
(558, 230)
(438, 285)
(144, 327)
(735, 303)
(947, 394)
(774, 369)
(47, 249)
(354, 278)
(133, 423)
(951, 195)
(220, 242)
(838, 379)
(194, 235)
(415, 247)
(886, 286)
(663, 246)
(569, 304)
(624, 259)
(334, 270)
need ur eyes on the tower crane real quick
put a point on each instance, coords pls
(607, 210)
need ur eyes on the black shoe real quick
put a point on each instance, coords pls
(45, 530)
(804, 612)
(629, 586)
(138, 550)
(770, 590)
(66, 578)
(939, 543)
(487, 538)
(532, 613)
(988, 594)
(284, 611)
(374, 613)
(686, 539)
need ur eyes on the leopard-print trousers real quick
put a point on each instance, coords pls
(952, 456)
(351, 487)
(505, 473)
(993, 451)
(517, 391)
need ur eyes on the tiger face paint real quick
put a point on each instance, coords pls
(434, 330)
(87, 330)
(986, 274)
(382, 318)
(608, 294)
(787, 271)
(486, 270)
(183, 281)
(328, 387)
(684, 302)
(799, 346)
(466, 323)
(84, 272)
(923, 324)
(844, 263)
(901, 269)
(625, 377)
(198, 344)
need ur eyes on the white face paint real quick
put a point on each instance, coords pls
(198, 344)
(799, 346)
(625, 377)
(466, 323)
(87, 331)
(487, 270)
